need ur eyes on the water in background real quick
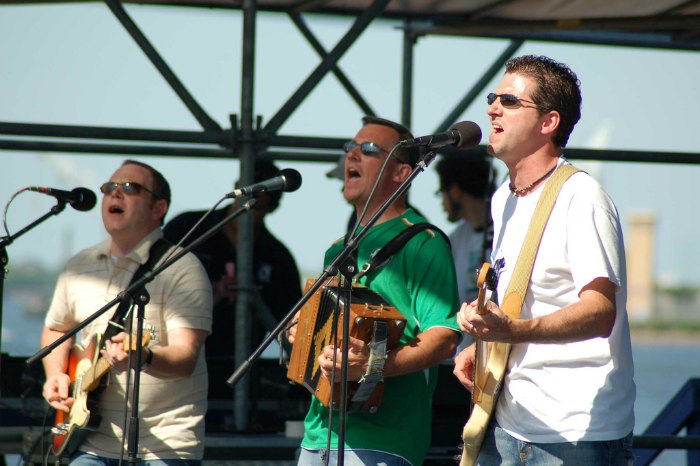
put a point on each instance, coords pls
(661, 369)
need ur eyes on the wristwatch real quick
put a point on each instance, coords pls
(146, 362)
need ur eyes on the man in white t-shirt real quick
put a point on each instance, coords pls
(466, 187)
(173, 388)
(568, 395)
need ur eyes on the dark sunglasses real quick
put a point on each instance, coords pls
(367, 148)
(128, 187)
(507, 100)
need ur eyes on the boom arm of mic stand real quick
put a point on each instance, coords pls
(147, 277)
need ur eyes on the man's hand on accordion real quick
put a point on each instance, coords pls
(291, 331)
(358, 356)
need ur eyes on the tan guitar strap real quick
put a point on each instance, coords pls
(515, 293)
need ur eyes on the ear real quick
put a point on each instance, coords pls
(454, 191)
(402, 171)
(160, 207)
(550, 123)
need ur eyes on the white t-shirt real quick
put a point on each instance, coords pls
(573, 391)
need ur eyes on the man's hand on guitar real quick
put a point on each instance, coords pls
(464, 367)
(115, 352)
(358, 357)
(487, 324)
(56, 392)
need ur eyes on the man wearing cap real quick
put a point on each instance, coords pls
(275, 275)
(419, 281)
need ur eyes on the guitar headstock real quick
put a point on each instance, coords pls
(493, 274)
(149, 334)
(487, 279)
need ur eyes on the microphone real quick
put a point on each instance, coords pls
(288, 180)
(463, 135)
(80, 198)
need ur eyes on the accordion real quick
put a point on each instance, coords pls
(368, 311)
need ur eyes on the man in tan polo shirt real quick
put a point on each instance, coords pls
(172, 397)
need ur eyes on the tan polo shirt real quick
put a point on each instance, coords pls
(171, 411)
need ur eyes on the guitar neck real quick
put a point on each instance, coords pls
(91, 377)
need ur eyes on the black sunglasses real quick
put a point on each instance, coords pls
(128, 187)
(508, 100)
(367, 148)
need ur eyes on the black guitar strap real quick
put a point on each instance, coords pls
(116, 323)
(380, 257)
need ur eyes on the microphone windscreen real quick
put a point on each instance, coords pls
(470, 134)
(292, 179)
(86, 199)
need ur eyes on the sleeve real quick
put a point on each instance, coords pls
(432, 282)
(594, 239)
(188, 300)
(59, 316)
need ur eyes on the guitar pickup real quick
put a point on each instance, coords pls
(60, 429)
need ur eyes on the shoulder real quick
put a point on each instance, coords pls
(430, 240)
(582, 189)
(86, 260)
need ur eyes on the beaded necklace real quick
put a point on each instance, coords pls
(522, 191)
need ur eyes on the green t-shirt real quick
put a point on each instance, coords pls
(419, 281)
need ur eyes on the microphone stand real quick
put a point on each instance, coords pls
(136, 292)
(344, 264)
(7, 240)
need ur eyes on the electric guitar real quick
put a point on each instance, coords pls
(491, 361)
(85, 369)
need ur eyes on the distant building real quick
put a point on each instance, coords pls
(641, 297)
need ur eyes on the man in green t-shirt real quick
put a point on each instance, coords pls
(419, 281)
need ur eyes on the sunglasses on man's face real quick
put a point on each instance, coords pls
(508, 100)
(128, 187)
(367, 148)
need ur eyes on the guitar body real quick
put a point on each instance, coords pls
(70, 428)
(491, 363)
(486, 392)
(85, 370)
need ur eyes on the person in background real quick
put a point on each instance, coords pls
(419, 282)
(275, 274)
(172, 397)
(568, 393)
(466, 187)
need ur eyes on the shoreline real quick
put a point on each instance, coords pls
(665, 337)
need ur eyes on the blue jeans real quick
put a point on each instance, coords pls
(351, 458)
(500, 449)
(80, 458)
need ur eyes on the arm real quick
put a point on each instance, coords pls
(57, 385)
(593, 315)
(177, 359)
(426, 350)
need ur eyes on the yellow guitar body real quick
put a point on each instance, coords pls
(486, 391)
(491, 364)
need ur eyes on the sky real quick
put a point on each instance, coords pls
(74, 64)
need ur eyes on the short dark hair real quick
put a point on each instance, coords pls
(265, 169)
(161, 187)
(471, 173)
(403, 154)
(558, 88)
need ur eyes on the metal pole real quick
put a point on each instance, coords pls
(244, 246)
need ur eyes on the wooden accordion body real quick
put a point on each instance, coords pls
(314, 332)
